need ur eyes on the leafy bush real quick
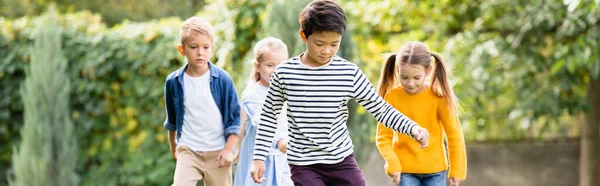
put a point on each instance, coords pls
(117, 77)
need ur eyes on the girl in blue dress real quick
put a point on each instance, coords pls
(268, 53)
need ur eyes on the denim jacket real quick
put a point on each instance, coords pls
(222, 90)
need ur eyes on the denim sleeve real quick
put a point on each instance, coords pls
(231, 103)
(169, 107)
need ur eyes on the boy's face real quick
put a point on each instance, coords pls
(321, 47)
(198, 50)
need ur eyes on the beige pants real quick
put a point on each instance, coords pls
(195, 166)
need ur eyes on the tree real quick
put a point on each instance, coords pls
(47, 154)
(543, 54)
(112, 11)
(281, 21)
(543, 57)
(235, 33)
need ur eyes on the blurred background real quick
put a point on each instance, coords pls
(526, 74)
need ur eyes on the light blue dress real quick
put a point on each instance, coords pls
(277, 170)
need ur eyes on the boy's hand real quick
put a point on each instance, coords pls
(421, 135)
(282, 145)
(173, 152)
(257, 171)
(225, 158)
(396, 177)
(172, 144)
(455, 181)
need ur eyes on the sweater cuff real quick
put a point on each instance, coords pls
(458, 174)
(392, 167)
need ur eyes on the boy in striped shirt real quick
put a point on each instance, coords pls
(317, 86)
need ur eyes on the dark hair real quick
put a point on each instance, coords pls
(321, 16)
(418, 53)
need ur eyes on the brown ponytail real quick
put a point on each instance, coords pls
(440, 83)
(387, 78)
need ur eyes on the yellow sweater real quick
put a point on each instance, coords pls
(403, 154)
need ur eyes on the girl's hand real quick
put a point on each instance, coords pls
(455, 181)
(421, 135)
(282, 145)
(396, 177)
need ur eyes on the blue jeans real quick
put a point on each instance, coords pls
(433, 179)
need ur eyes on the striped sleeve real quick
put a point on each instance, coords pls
(267, 125)
(365, 95)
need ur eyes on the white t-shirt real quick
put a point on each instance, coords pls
(202, 128)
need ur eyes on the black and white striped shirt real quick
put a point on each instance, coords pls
(317, 99)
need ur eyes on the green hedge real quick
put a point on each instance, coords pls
(117, 78)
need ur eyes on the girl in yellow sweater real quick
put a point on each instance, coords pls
(433, 105)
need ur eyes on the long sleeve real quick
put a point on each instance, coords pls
(456, 142)
(233, 127)
(169, 123)
(268, 119)
(384, 144)
(282, 125)
(365, 95)
(253, 110)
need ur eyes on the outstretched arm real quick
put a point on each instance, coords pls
(365, 95)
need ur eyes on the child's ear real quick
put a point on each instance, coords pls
(180, 49)
(303, 36)
(255, 65)
(428, 71)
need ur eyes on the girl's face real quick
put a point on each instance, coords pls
(412, 77)
(270, 60)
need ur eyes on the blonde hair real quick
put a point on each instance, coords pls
(269, 44)
(194, 26)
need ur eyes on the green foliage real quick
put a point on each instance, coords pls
(281, 21)
(118, 77)
(520, 67)
(111, 11)
(523, 68)
(236, 30)
(116, 95)
(47, 154)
